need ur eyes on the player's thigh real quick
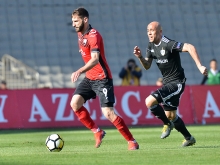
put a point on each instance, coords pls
(105, 90)
(82, 93)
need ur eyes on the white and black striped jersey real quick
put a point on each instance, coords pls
(167, 57)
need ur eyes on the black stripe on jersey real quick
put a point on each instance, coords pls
(95, 50)
(177, 46)
(165, 39)
(173, 47)
(103, 66)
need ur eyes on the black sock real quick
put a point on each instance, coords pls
(158, 111)
(180, 127)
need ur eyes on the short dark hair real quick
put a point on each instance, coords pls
(213, 60)
(131, 60)
(3, 82)
(81, 12)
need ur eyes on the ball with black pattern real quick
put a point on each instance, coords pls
(54, 143)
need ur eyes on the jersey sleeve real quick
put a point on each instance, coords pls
(94, 41)
(148, 51)
(175, 46)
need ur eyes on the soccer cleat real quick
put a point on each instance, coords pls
(166, 130)
(98, 138)
(189, 142)
(133, 145)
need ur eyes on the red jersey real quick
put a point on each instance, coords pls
(91, 41)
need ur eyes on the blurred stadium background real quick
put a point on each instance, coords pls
(42, 48)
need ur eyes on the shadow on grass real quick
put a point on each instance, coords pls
(17, 131)
(206, 147)
(190, 147)
(79, 128)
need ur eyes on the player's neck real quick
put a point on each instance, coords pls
(157, 42)
(85, 29)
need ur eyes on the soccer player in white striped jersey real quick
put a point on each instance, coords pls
(166, 54)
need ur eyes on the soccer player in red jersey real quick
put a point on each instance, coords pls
(98, 80)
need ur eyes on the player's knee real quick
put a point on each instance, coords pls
(171, 116)
(149, 101)
(75, 105)
(76, 102)
(109, 114)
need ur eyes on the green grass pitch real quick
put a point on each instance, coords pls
(26, 147)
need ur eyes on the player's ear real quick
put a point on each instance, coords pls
(85, 19)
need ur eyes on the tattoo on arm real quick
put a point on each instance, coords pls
(146, 63)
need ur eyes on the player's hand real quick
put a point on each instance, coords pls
(203, 70)
(137, 52)
(75, 75)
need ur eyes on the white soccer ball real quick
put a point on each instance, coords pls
(54, 143)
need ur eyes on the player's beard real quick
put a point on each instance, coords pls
(80, 28)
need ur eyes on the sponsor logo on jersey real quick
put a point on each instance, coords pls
(178, 45)
(82, 52)
(161, 61)
(84, 41)
(152, 50)
(162, 52)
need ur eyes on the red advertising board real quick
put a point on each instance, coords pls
(130, 103)
(206, 103)
(43, 108)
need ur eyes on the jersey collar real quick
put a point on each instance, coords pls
(87, 31)
(214, 72)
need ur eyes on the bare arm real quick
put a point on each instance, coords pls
(145, 62)
(192, 51)
(89, 65)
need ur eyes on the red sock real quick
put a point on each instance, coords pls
(85, 118)
(123, 129)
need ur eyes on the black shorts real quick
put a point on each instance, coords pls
(169, 95)
(104, 89)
